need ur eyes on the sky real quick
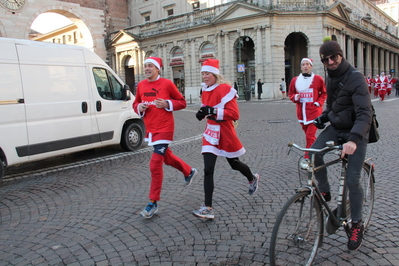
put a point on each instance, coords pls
(48, 22)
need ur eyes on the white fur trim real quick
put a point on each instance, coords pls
(218, 152)
(303, 83)
(152, 61)
(211, 69)
(308, 60)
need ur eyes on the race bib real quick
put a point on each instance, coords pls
(212, 134)
(306, 96)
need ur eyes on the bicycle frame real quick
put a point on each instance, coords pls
(339, 218)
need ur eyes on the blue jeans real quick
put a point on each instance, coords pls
(355, 165)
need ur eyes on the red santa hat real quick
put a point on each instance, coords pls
(211, 65)
(156, 61)
(307, 60)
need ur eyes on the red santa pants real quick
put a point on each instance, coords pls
(382, 93)
(310, 135)
(156, 169)
(375, 92)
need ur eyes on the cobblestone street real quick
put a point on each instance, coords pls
(88, 213)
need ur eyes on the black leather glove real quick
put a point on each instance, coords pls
(200, 115)
(207, 110)
(319, 122)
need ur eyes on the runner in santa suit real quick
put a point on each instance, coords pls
(389, 84)
(156, 99)
(369, 81)
(308, 91)
(382, 91)
(220, 110)
(377, 84)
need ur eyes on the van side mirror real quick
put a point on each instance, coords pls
(126, 93)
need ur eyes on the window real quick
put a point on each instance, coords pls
(147, 18)
(169, 9)
(108, 86)
(196, 5)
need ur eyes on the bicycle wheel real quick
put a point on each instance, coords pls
(298, 231)
(367, 183)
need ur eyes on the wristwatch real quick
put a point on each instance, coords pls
(13, 5)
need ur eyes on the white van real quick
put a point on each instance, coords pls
(57, 99)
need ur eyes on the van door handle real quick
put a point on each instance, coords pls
(98, 106)
(84, 107)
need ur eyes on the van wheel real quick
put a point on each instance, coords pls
(1, 170)
(132, 137)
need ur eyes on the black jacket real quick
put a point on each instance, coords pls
(348, 105)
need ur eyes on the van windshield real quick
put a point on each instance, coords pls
(108, 86)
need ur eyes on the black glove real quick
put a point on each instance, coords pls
(319, 122)
(200, 115)
(207, 110)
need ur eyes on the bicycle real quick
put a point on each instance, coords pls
(299, 228)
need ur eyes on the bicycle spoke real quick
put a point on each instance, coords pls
(297, 232)
(367, 183)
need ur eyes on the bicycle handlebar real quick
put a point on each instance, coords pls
(330, 146)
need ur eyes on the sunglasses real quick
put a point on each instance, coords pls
(333, 57)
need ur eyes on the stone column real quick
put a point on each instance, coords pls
(368, 69)
(387, 64)
(381, 60)
(268, 46)
(376, 61)
(350, 51)
(188, 58)
(360, 58)
(259, 54)
(269, 87)
(342, 42)
(228, 54)
(220, 56)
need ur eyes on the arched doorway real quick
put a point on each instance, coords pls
(295, 48)
(77, 33)
(177, 64)
(245, 54)
(129, 74)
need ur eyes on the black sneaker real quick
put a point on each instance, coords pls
(326, 196)
(356, 235)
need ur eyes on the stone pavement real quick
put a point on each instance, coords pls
(88, 213)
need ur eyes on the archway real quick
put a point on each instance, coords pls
(77, 33)
(177, 64)
(245, 54)
(129, 74)
(295, 48)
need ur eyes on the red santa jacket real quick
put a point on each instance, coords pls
(159, 122)
(369, 81)
(383, 82)
(220, 137)
(377, 83)
(309, 94)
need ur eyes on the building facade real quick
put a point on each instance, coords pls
(93, 20)
(263, 39)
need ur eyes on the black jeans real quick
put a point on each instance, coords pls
(355, 165)
(209, 169)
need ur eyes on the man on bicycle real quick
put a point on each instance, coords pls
(349, 112)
